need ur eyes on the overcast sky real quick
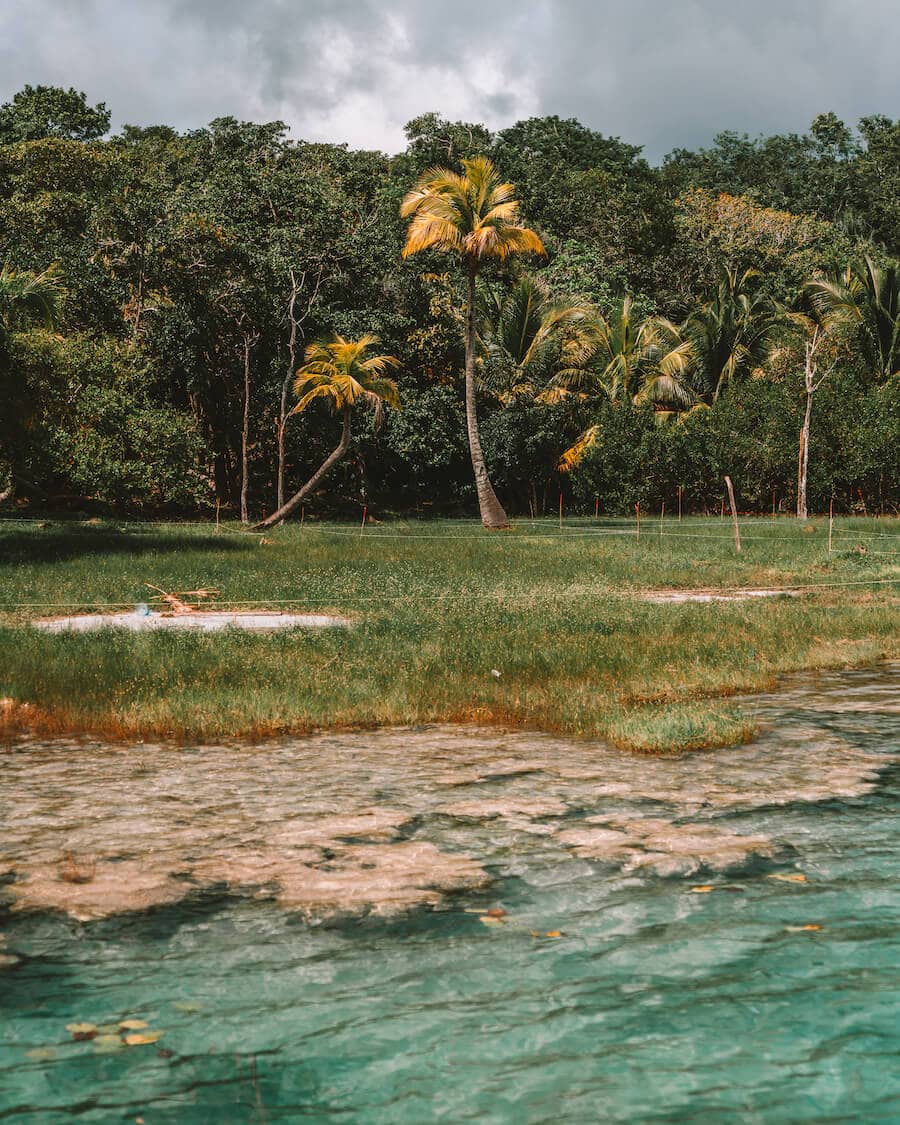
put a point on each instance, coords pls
(660, 73)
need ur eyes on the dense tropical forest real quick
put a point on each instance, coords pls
(735, 310)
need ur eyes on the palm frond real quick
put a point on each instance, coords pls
(575, 453)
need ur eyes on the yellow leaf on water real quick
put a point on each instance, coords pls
(787, 877)
(553, 933)
(139, 1038)
(73, 1027)
(704, 890)
(133, 1025)
(488, 920)
(800, 929)
(41, 1054)
(108, 1044)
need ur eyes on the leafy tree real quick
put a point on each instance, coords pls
(342, 374)
(866, 297)
(25, 299)
(36, 112)
(475, 216)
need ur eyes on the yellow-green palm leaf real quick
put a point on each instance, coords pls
(474, 214)
(342, 373)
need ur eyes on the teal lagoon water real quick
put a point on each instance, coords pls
(300, 921)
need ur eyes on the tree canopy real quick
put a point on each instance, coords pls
(160, 289)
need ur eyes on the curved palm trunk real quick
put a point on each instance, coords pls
(493, 516)
(330, 461)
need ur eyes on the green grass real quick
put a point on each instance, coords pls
(437, 606)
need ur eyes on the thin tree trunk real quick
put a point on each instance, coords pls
(809, 374)
(803, 462)
(285, 390)
(330, 461)
(245, 432)
(493, 516)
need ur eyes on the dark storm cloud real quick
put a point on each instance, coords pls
(656, 72)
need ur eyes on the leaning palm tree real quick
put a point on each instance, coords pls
(733, 333)
(474, 215)
(341, 373)
(866, 297)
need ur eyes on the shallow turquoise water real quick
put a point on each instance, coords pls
(657, 1003)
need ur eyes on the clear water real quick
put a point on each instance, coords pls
(657, 1003)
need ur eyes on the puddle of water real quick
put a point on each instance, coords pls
(314, 948)
(211, 621)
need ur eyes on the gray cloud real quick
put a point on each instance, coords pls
(658, 73)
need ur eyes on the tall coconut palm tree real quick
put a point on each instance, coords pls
(531, 339)
(733, 333)
(342, 374)
(865, 296)
(473, 215)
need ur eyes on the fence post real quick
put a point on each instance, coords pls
(560, 511)
(737, 534)
(637, 509)
(662, 516)
(830, 522)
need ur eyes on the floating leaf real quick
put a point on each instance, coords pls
(788, 877)
(133, 1025)
(41, 1054)
(496, 912)
(553, 933)
(810, 926)
(487, 920)
(703, 890)
(108, 1044)
(81, 1031)
(139, 1038)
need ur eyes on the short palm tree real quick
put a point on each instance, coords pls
(733, 333)
(634, 361)
(532, 339)
(27, 298)
(342, 374)
(865, 296)
(473, 215)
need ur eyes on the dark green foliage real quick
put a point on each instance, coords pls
(49, 111)
(177, 254)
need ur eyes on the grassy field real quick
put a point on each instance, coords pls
(437, 608)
